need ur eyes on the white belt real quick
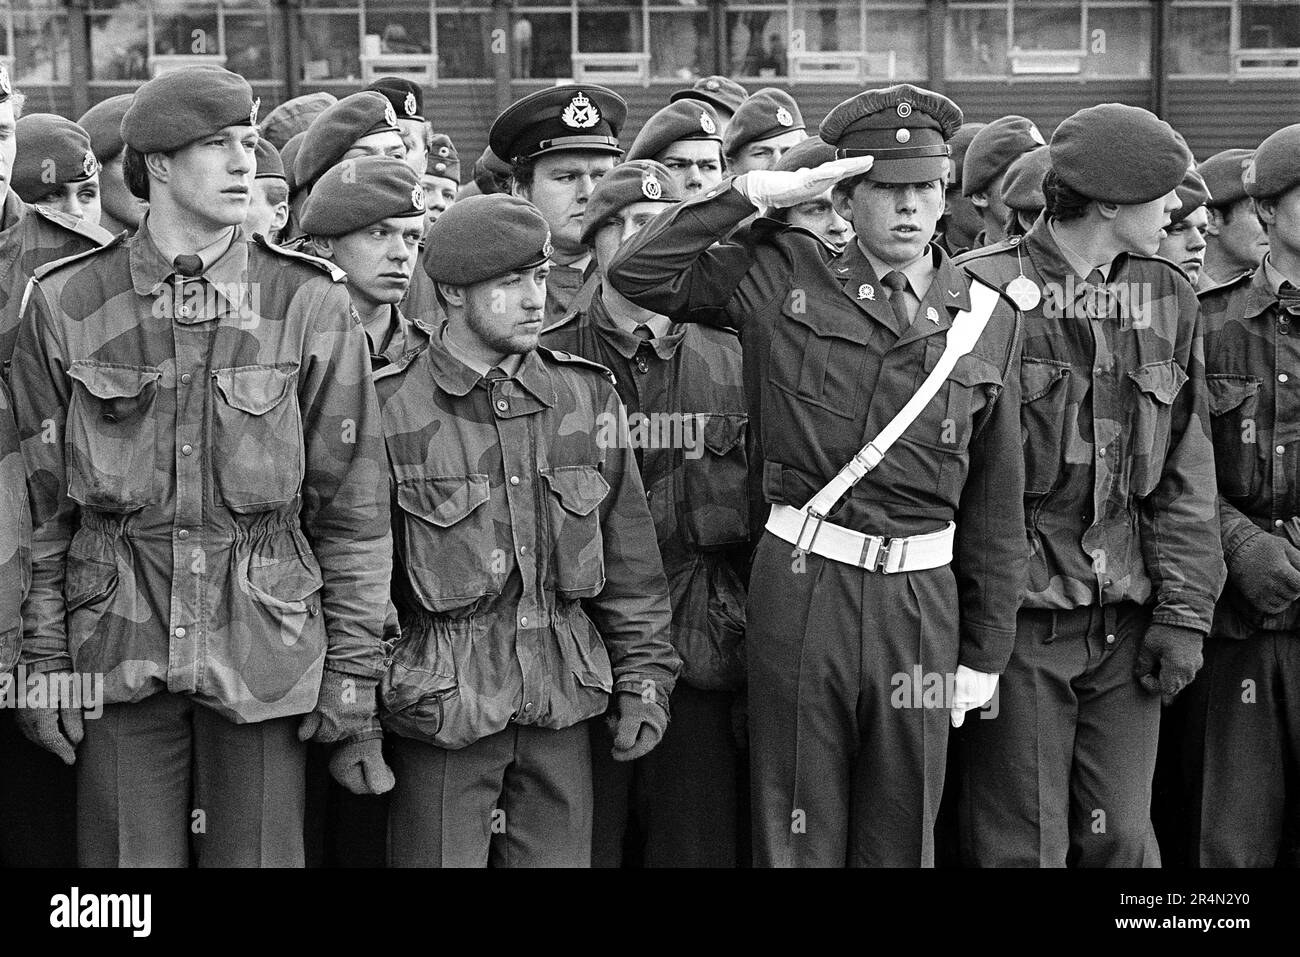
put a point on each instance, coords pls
(872, 552)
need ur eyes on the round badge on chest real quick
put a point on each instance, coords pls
(1024, 293)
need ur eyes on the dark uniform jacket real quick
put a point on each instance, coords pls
(687, 420)
(1119, 471)
(826, 369)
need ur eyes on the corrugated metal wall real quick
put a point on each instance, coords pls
(1217, 115)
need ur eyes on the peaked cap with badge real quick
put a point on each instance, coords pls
(635, 181)
(682, 120)
(1114, 153)
(52, 150)
(360, 192)
(443, 160)
(103, 124)
(767, 113)
(718, 91)
(570, 117)
(994, 148)
(1275, 167)
(482, 237)
(335, 131)
(187, 104)
(1222, 175)
(405, 95)
(906, 128)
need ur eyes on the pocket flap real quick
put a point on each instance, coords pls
(253, 389)
(1037, 376)
(723, 431)
(828, 321)
(112, 382)
(1229, 391)
(972, 370)
(1160, 380)
(85, 580)
(580, 488)
(291, 580)
(443, 501)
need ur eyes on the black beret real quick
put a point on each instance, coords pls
(52, 150)
(569, 117)
(1276, 165)
(682, 120)
(405, 95)
(482, 237)
(994, 148)
(1022, 186)
(294, 116)
(1222, 175)
(635, 181)
(443, 159)
(269, 164)
(809, 154)
(1115, 153)
(187, 104)
(906, 128)
(1192, 194)
(103, 124)
(289, 159)
(337, 128)
(767, 113)
(718, 91)
(360, 192)
(959, 143)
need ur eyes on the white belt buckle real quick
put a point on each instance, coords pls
(884, 555)
(817, 527)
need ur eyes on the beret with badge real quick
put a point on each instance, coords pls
(718, 91)
(269, 164)
(187, 104)
(1192, 195)
(994, 148)
(103, 124)
(635, 181)
(360, 192)
(682, 120)
(294, 116)
(443, 160)
(767, 113)
(569, 117)
(335, 131)
(1275, 168)
(1120, 154)
(482, 237)
(52, 151)
(405, 95)
(1222, 175)
(905, 128)
(1022, 186)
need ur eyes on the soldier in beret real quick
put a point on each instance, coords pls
(529, 590)
(440, 178)
(1184, 241)
(1124, 560)
(817, 215)
(407, 99)
(766, 125)
(686, 137)
(120, 209)
(722, 93)
(1241, 754)
(491, 175)
(1235, 243)
(1022, 190)
(683, 795)
(55, 166)
(293, 117)
(961, 222)
(991, 152)
(867, 551)
(268, 201)
(363, 124)
(560, 142)
(213, 531)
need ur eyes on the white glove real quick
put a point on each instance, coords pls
(971, 690)
(782, 189)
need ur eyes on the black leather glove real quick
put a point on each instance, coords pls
(1169, 659)
(637, 728)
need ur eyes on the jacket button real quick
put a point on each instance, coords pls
(1110, 639)
(185, 378)
(1281, 377)
(524, 621)
(528, 706)
(514, 480)
(183, 533)
(503, 405)
(187, 449)
(1277, 523)
(1280, 450)
(180, 632)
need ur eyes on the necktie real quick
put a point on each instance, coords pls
(897, 282)
(187, 265)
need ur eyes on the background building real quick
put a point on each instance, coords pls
(1224, 72)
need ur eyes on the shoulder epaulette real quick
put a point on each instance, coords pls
(1011, 242)
(40, 272)
(1226, 284)
(92, 231)
(765, 226)
(324, 265)
(568, 358)
(568, 319)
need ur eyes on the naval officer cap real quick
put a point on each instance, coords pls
(443, 160)
(994, 148)
(269, 164)
(103, 124)
(187, 104)
(1114, 153)
(1275, 167)
(336, 129)
(360, 192)
(683, 120)
(52, 151)
(482, 237)
(1222, 175)
(767, 113)
(1192, 195)
(569, 117)
(635, 181)
(1022, 187)
(718, 91)
(405, 95)
(294, 116)
(906, 128)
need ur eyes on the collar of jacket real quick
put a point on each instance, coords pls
(13, 211)
(405, 336)
(1261, 293)
(456, 378)
(151, 271)
(949, 286)
(626, 343)
(1040, 247)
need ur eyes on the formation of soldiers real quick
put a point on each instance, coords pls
(859, 498)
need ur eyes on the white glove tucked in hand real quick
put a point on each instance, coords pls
(971, 690)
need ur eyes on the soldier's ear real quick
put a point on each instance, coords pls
(324, 247)
(1108, 210)
(280, 216)
(1266, 212)
(1215, 222)
(454, 295)
(980, 200)
(157, 166)
(842, 203)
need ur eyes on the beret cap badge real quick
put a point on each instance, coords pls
(707, 124)
(547, 248)
(651, 187)
(417, 197)
(783, 116)
(252, 114)
(390, 114)
(1248, 172)
(410, 105)
(581, 113)
(88, 163)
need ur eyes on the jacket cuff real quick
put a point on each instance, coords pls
(985, 649)
(60, 663)
(1172, 620)
(634, 685)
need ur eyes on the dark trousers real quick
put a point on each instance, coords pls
(517, 798)
(38, 803)
(683, 794)
(155, 775)
(845, 769)
(342, 829)
(1241, 753)
(1063, 774)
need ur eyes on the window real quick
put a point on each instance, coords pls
(757, 40)
(464, 40)
(977, 40)
(1200, 40)
(1247, 38)
(331, 41)
(541, 40)
(36, 41)
(681, 41)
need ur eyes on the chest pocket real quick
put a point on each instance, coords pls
(947, 421)
(448, 541)
(1158, 384)
(1234, 405)
(817, 354)
(1044, 404)
(577, 565)
(715, 508)
(112, 435)
(257, 443)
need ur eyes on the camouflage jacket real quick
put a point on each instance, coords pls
(207, 478)
(522, 540)
(827, 367)
(405, 336)
(1252, 362)
(32, 236)
(15, 536)
(685, 402)
(1119, 471)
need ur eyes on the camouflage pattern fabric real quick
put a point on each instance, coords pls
(15, 536)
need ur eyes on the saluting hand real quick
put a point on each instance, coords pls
(782, 189)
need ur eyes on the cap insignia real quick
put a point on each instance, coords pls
(547, 248)
(417, 197)
(252, 114)
(5, 88)
(713, 85)
(905, 109)
(1036, 136)
(651, 186)
(783, 116)
(707, 124)
(581, 113)
(410, 105)
(88, 163)
(903, 136)
(390, 114)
